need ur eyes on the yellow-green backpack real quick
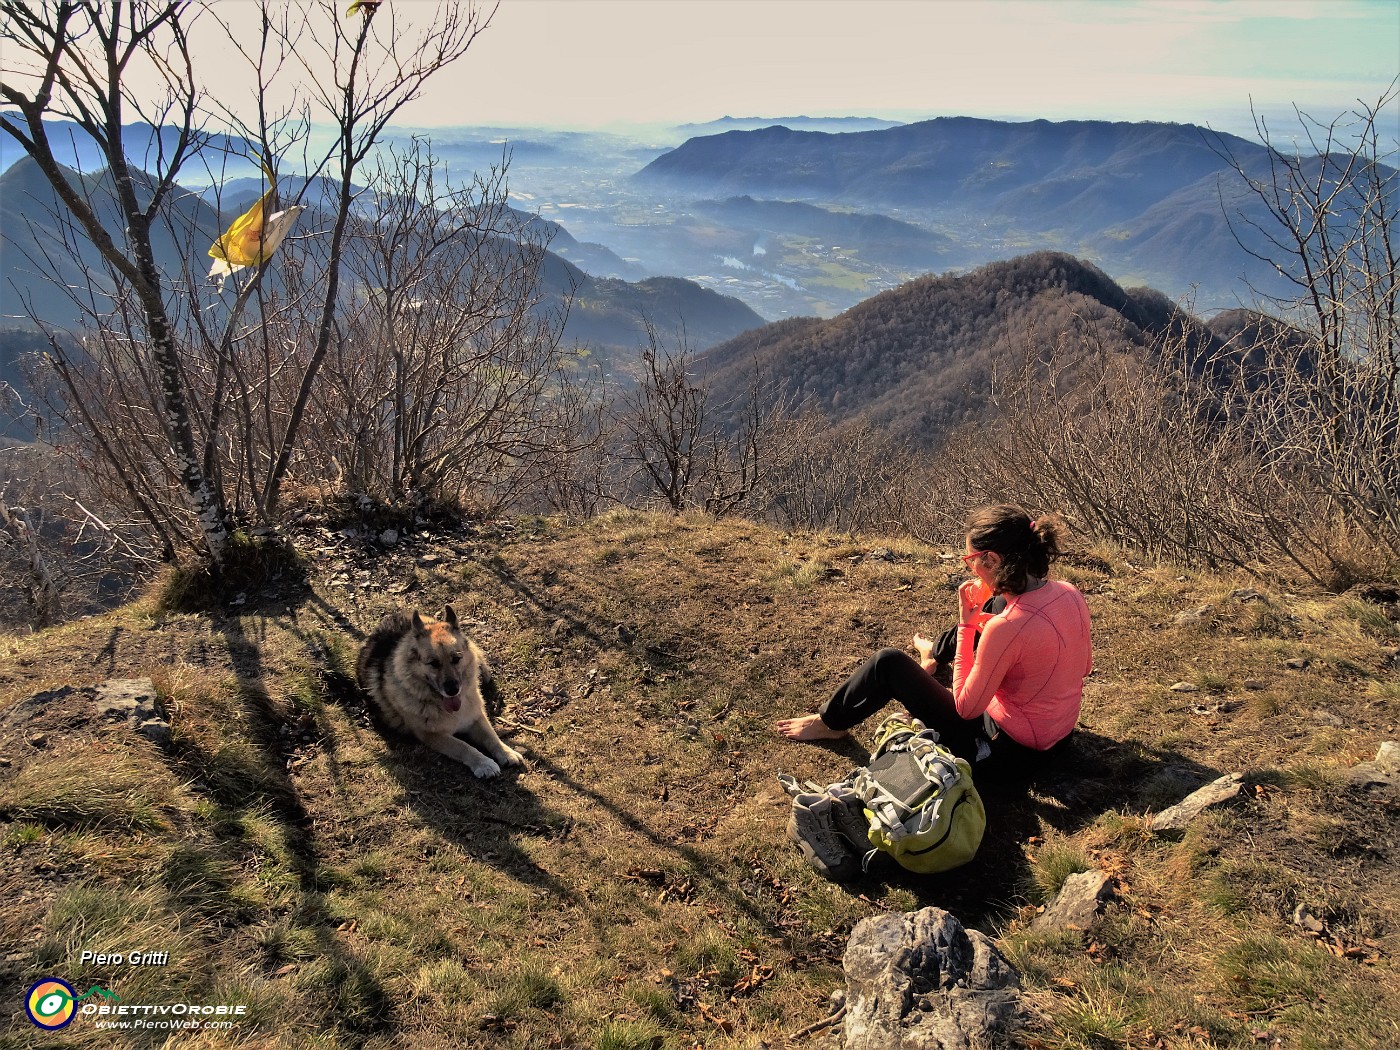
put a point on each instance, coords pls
(919, 798)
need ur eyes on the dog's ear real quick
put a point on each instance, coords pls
(450, 615)
(418, 625)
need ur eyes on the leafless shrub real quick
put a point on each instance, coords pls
(448, 378)
(1154, 453)
(64, 549)
(1324, 394)
(679, 446)
(848, 478)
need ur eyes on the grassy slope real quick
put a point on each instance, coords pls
(634, 883)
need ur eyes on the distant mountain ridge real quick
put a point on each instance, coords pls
(608, 313)
(800, 123)
(933, 160)
(1139, 199)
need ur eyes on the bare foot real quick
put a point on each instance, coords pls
(808, 727)
(923, 646)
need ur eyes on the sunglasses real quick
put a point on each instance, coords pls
(967, 558)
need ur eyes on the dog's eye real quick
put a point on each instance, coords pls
(434, 662)
(456, 658)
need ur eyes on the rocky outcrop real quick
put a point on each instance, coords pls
(132, 701)
(1381, 772)
(920, 981)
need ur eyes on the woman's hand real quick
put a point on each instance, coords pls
(972, 595)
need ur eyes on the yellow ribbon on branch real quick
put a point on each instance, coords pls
(253, 237)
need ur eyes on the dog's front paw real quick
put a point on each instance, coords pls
(484, 767)
(511, 757)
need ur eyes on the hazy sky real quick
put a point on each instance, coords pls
(591, 62)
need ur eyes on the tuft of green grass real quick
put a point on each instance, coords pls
(22, 834)
(710, 952)
(523, 987)
(1052, 865)
(629, 1035)
(1095, 1022)
(126, 792)
(658, 1003)
(1263, 969)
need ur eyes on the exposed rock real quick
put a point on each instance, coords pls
(1193, 615)
(1079, 902)
(133, 701)
(1217, 793)
(1298, 663)
(1381, 772)
(1185, 687)
(1246, 594)
(920, 981)
(1388, 757)
(1303, 916)
(1254, 684)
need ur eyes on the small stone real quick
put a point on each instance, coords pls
(389, 537)
(1080, 900)
(1255, 684)
(1303, 916)
(1246, 594)
(1185, 687)
(1298, 663)
(1388, 757)
(1218, 793)
(38, 740)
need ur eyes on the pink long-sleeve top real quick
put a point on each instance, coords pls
(1029, 667)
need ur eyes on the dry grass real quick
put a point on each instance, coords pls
(632, 888)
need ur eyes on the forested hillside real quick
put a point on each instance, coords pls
(919, 360)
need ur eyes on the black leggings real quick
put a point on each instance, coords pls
(892, 674)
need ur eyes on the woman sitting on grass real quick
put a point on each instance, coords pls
(1017, 686)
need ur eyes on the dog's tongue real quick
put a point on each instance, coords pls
(452, 703)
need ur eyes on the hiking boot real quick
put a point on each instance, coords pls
(848, 817)
(810, 826)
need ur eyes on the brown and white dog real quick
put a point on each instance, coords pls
(425, 678)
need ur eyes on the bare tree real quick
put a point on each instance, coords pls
(73, 61)
(450, 379)
(1328, 403)
(379, 60)
(171, 389)
(664, 422)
